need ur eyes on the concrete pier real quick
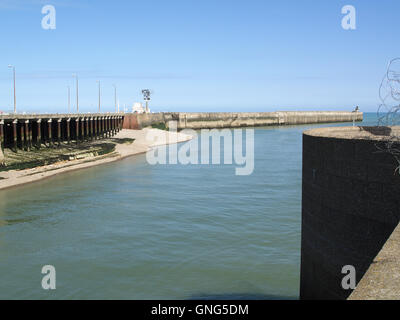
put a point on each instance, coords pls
(210, 120)
(24, 131)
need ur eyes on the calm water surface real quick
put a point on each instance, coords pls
(136, 231)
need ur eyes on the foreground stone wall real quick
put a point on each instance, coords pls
(350, 205)
(208, 120)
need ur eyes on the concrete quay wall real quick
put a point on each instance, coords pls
(350, 205)
(382, 279)
(209, 120)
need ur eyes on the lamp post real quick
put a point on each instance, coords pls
(115, 96)
(98, 81)
(69, 99)
(15, 97)
(146, 97)
(77, 93)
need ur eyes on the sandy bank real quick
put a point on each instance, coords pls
(144, 140)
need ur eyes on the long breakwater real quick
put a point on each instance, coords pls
(209, 120)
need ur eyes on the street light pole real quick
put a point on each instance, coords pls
(98, 81)
(69, 99)
(77, 93)
(15, 97)
(115, 96)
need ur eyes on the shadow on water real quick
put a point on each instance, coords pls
(240, 296)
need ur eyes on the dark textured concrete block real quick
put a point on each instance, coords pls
(350, 207)
(383, 173)
(343, 150)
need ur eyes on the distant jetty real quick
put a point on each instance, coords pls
(25, 131)
(28, 131)
(209, 120)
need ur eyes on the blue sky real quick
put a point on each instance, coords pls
(197, 55)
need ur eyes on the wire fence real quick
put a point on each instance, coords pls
(389, 108)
